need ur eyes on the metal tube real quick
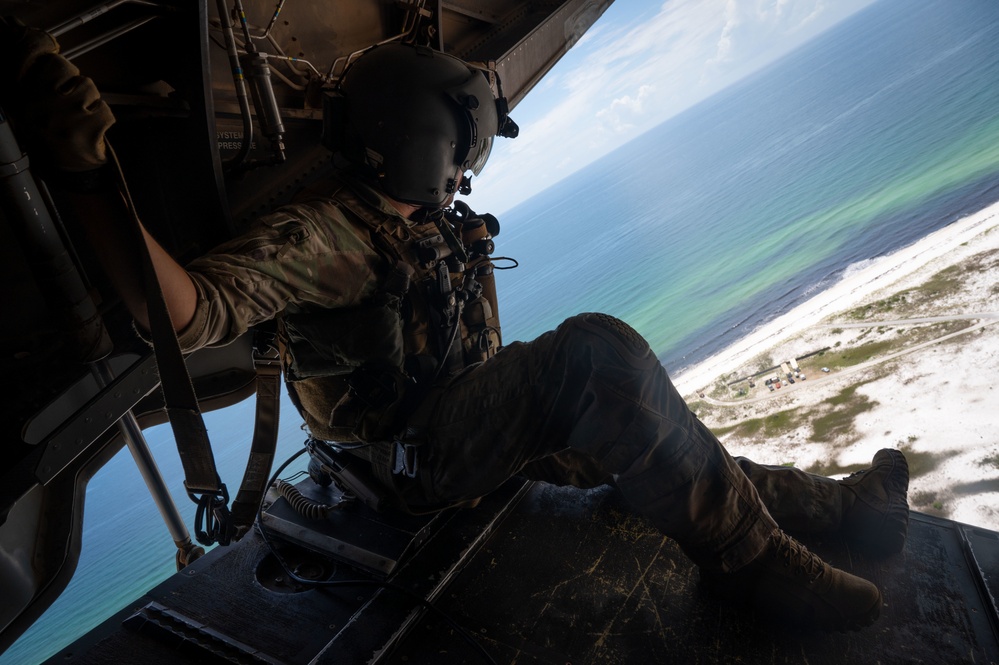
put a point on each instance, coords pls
(56, 274)
(21, 199)
(101, 40)
(240, 84)
(274, 18)
(91, 14)
(143, 457)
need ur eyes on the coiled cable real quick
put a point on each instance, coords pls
(303, 505)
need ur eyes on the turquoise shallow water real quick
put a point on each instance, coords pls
(875, 134)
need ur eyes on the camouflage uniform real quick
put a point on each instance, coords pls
(585, 404)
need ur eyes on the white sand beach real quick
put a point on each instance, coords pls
(915, 369)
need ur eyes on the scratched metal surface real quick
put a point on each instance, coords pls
(567, 577)
(573, 577)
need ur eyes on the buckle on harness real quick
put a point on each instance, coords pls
(212, 520)
(404, 461)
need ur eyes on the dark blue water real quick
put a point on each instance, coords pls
(868, 138)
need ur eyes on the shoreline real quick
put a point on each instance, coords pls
(927, 389)
(850, 291)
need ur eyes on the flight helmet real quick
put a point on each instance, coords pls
(414, 119)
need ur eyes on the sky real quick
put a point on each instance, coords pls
(641, 63)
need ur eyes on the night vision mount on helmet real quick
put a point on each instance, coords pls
(416, 120)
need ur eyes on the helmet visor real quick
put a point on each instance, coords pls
(485, 147)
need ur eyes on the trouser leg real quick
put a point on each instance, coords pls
(798, 501)
(595, 387)
(612, 399)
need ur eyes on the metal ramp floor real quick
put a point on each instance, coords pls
(548, 575)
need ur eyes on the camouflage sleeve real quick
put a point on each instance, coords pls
(306, 254)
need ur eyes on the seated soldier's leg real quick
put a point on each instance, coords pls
(606, 394)
(594, 386)
(568, 467)
(869, 507)
(594, 391)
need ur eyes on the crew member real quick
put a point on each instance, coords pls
(391, 341)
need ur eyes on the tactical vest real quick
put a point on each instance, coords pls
(434, 314)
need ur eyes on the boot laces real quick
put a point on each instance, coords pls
(796, 556)
(857, 474)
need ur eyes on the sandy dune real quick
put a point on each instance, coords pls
(930, 389)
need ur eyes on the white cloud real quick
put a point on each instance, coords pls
(628, 75)
(723, 50)
(623, 110)
(765, 7)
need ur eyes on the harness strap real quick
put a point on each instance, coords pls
(175, 381)
(213, 520)
(267, 363)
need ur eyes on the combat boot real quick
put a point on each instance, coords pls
(794, 585)
(875, 509)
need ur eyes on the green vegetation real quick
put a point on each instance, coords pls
(991, 460)
(763, 363)
(879, 307)
(702, 409)
(850, 356)
(946, 282)
(922, 463)
(844, 396)
(831, 468)
(983, 261)
(839, 422)
(840, 357)
(935, 331)
(928, 502)
(719, 391)
(772, 425)
(952, 327)
(830, 420)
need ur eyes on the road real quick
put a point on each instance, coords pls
(904, 322)
(986, 319)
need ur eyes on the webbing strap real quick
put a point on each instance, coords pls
(178, 391)
(213, 520)
(267, 362)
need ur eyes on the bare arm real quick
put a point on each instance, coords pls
(105, 216)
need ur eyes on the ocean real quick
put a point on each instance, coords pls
(866, 139)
